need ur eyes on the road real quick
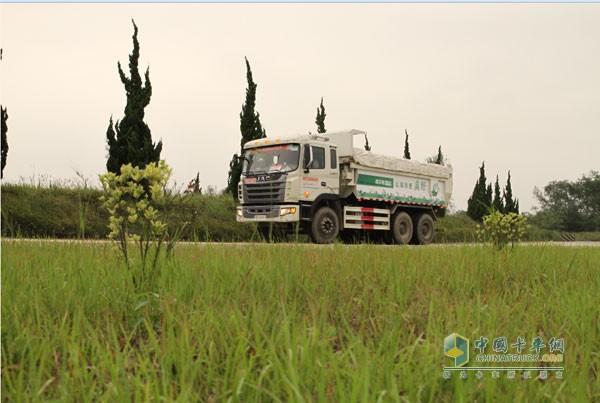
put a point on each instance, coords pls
(233, 244)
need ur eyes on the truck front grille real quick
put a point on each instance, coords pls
(264, 192)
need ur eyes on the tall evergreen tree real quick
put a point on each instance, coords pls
(511, 205)
(4, 114)
(481, 199)
(130, 141)
(406, 148)
(440, 157)
(497, 203)
(320, 121)
(250, 128)
(111, 140)
(4, 130)
(489, 195)
(437, 159)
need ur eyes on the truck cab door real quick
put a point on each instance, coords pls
(333, 170)
(323, 175)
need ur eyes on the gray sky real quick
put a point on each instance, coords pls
(514, 85)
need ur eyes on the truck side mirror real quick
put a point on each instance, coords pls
(307, 159)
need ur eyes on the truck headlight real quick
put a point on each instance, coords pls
(287, 210)
(239, 212)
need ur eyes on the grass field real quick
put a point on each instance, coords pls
(291, 323)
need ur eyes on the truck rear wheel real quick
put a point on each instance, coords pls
(402, 228)
(325, 226)
(424, 230)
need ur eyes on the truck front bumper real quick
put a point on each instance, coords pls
(285, 213)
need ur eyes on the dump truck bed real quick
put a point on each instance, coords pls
(371, 176)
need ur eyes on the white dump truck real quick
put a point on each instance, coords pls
(325, 186)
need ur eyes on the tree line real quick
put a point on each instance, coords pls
(572, 206)
(484, 199)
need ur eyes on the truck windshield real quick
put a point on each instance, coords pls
(278, 158)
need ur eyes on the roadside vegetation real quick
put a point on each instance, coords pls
(72, 210)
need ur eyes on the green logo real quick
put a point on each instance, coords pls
(457, 347)
(372, 180)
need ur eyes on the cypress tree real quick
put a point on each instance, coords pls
(478, 203)
(367, 146)
(320, 121)
(250, 128)
(497, 203)
(235, 172)
(130, 141)
(406, 149)
(4, 130)
(111, 139)
(196, 184)
(436, 158)
(511, 205)
(440, 157)
(488, 197)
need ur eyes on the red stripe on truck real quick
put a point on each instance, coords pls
(367, 218)
(367, 209)
(367, 226)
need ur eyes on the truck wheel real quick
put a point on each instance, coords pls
(424, 229)
(402, 228)
(325, 226)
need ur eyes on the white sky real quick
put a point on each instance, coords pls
(514, 85)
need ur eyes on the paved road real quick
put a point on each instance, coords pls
(435, 245)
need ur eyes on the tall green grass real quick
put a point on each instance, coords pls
(61, 211)
(290, 323)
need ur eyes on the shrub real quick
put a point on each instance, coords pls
(132, 199)
(502, 229)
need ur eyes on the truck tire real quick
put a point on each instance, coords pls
(402, 228)
(325, 226)
(424, 229)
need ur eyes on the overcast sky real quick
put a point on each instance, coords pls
(514, 85)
